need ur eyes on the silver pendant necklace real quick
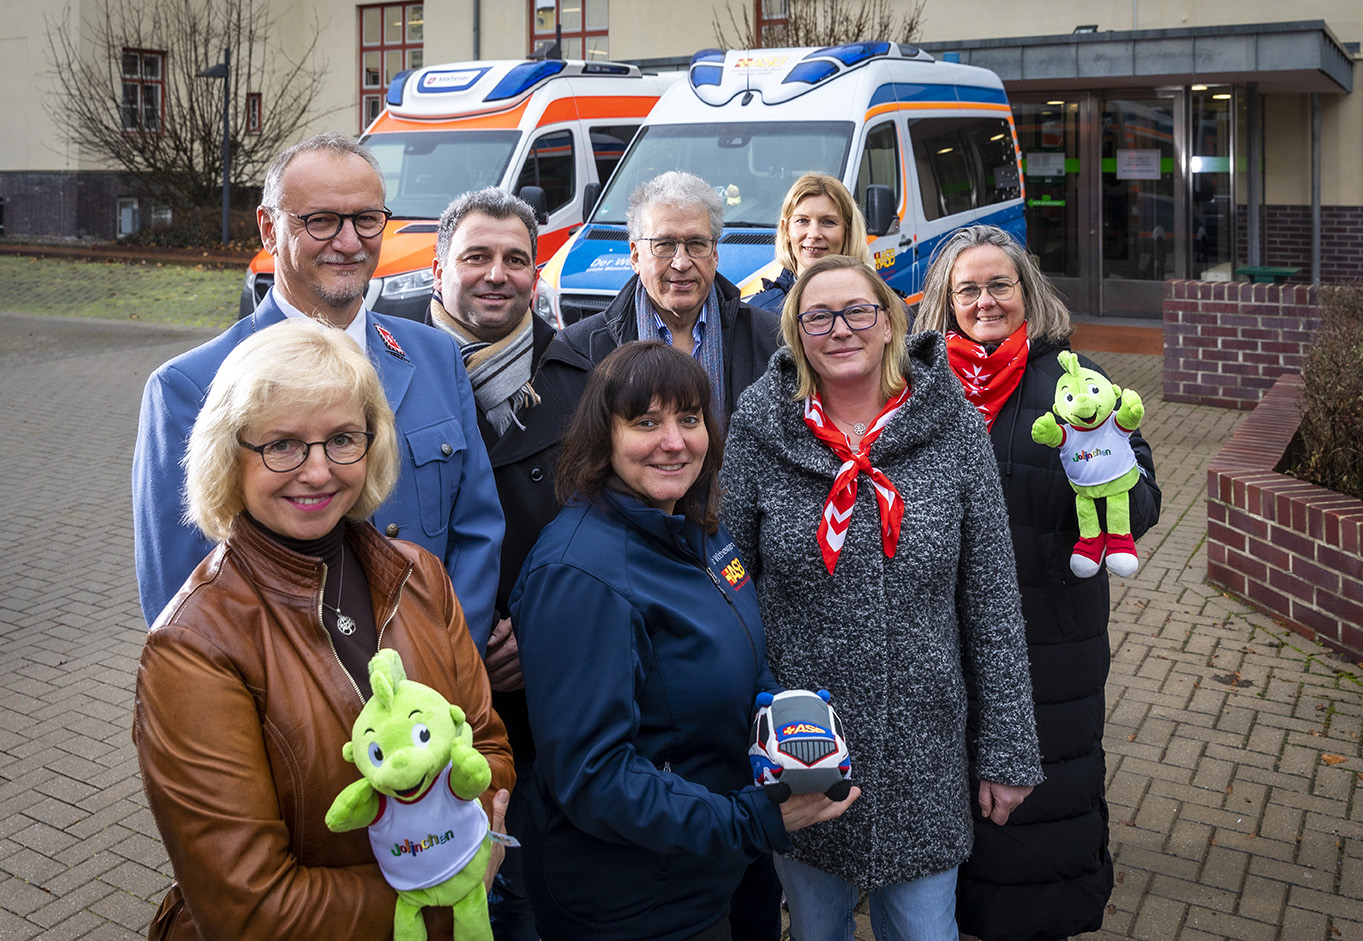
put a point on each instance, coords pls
(344, 622)
(859, 429)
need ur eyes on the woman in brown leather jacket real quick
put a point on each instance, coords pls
(252, 677)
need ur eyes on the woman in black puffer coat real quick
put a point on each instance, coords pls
(1048, 875)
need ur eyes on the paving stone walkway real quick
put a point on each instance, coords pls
(1234, 764)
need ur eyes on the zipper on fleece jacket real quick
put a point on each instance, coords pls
(734, 608)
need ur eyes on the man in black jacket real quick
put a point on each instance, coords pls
(676, 295)
(485, 273)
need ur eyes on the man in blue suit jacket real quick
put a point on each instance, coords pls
(321, 217)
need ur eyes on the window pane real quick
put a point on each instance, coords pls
(371, 70)
(571, 11)
(130, 106)
(775, 9)
(373, 104)
(414, 58)
(392, 65)
(415, 23)
(598, 48)
(572, 47)
(371, 33)
(544, 16)
(151, 108)
(598, 14)
(879, 162)
(549, 165)
(151, 67)
(993, 141)
(392, 26)
(130, 65)
(608, 146)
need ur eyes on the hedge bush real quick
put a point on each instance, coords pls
(1331, 432)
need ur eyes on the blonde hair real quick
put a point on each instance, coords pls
(891, 366)
(854, 226)
(291, 367)
(1045, 311)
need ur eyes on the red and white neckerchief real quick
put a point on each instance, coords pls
(988, 378)
(837, 511)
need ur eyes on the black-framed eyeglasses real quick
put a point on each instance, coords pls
(1000, 289)
(326, 225)
(285, 454)
(857, 317)
(667, 248)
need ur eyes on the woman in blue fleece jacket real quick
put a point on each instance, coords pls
(642, 652)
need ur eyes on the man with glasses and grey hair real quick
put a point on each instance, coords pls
(322, 217)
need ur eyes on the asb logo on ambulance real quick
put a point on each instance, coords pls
(924, 146)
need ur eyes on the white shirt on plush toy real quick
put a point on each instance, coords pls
(425, 842)
(1097, 456)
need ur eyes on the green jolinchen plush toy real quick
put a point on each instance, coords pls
(419, 799)
(1094, 438)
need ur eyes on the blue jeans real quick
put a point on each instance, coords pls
(821, 906)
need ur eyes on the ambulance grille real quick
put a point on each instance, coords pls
(749, 238)
(607, 235)
(808, 751)
(574, 307)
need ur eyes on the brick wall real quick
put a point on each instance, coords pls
(1287, 240)
(1290, 548)
(1227, 342)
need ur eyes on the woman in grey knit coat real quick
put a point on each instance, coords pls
(912, 622)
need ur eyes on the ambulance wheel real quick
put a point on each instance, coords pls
(839, 791)
(778, 793)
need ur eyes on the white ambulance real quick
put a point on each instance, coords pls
(924, 146)
(547, 130)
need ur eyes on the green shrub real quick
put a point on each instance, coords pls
(1332, 395)
(199, 227)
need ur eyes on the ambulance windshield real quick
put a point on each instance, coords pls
(424, 170)
(751, 165)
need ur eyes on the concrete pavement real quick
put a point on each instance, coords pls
(1234, 763)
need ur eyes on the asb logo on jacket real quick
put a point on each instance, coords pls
(735, 574)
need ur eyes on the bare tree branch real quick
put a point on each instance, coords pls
(182, 161)
(823, 23)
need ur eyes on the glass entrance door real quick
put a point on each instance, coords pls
(1142, 220)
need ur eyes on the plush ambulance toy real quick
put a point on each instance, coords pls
(1094, 438)
(419, 799)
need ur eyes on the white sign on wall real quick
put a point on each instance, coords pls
(1041, 163)
(1138, 165)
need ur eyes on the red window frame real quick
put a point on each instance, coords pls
(391, 40)
(144, 89)
(586, 32)
(769, 20)
(253, 112)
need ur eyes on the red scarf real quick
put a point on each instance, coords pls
(837, 511)
(988, 378)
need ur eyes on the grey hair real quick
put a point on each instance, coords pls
(333, 142)
(1047, 316)
(674, 188)
(492, 202)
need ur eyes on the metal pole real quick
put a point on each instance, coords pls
(1256, 156)
(477, 29)
(226, 143)
(1315, 187)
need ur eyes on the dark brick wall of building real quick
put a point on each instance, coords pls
(1287, 241)
(1227, 342)
(62, 205)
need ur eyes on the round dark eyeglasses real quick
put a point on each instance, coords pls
(1000, 289)
(286, 454)
(326, 225)
(857, 317)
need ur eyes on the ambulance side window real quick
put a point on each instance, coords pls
(963, 163)
(879, 162)
(992, 140)
(608, 146)
(550, 166)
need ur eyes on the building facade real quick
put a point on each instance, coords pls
(1159, 140)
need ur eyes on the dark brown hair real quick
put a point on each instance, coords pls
(624, 385)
